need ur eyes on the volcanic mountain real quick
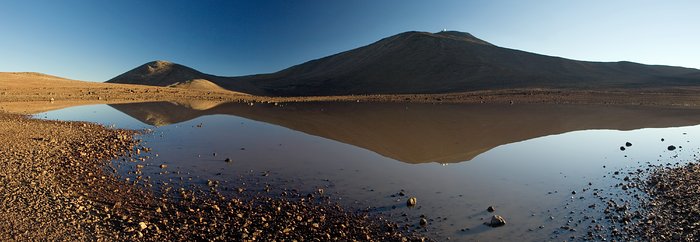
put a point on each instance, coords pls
(421, 62)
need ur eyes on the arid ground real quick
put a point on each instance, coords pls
(57, 181)
(28, 93)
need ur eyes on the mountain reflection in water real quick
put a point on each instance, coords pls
(420, 133)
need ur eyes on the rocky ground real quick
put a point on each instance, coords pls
(649, 202)
(668, 205)
(59, 183)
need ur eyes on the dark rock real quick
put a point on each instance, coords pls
(423, 222)
(497, 221)
(622, 148)
(628, 144)
(671, 147)
(491, 209)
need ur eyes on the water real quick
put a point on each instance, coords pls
(525, 160)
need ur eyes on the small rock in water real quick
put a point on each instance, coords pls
(423, 222)
(228, 160)
(411, 202)
(491, 209)
(622, 148)
(163, 166)
(671, 147)
(628, 144)
(497, 221)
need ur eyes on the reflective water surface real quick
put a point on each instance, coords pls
(525, 160)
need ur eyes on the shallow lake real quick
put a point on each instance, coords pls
(457, 160)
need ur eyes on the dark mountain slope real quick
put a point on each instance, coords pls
(443, 62)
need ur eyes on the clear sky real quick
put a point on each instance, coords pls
(98, 39)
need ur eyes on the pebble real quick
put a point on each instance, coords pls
(411, 202)
(497, 221)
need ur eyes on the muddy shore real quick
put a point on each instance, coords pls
(59, 184)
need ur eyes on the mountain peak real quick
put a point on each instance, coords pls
(159, 73)
(444, 35)
(158, 65)
(461, 36)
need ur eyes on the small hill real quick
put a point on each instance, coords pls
(34, 80)
(198, 84)
(425, 63)
(159, 73)
(164, 73)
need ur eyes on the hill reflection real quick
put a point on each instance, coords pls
(420, 133)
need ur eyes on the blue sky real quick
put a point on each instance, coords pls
(97, 40)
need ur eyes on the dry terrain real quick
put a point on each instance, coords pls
(33, 92)
(59, 183)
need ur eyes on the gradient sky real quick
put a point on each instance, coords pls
(97, 40)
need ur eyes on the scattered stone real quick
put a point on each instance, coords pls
(423, 222)
(228, 160)
(411, 202)
(497, 221)
(490, 209)
(628, 144)
(671, 147)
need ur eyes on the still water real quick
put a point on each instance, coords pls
(457, 160)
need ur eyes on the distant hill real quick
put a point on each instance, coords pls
(421, 62)
(199, 84)
(160, 73)
(164, 73)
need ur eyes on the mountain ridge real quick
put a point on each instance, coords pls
(430, 63)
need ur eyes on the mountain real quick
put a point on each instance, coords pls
(420, 133)
(160, 73)
(421, 62)
(164, 73)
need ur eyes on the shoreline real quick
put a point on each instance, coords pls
(32, 92)
(58, 185)
(23, 103)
